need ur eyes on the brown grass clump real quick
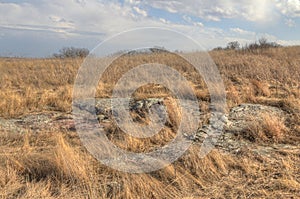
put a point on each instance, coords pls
(266, 128)
(274, 127)
(261, 88)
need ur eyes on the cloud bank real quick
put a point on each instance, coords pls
(39, 28)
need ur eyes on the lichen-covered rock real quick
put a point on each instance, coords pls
(241, 116)
(38, 122)
(221, 129)
(236, 122)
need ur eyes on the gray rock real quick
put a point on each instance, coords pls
(241, 115)
(226, 126)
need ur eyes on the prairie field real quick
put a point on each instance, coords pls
(52, 162)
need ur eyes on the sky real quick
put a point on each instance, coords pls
(39, 28)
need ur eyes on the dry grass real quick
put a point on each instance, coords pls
(29, 85)
(266, 128)
(56, 165)
(64, 171)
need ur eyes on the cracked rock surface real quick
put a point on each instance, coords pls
(220, 131)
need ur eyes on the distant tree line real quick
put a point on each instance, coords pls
(72, 52)
(262, 43)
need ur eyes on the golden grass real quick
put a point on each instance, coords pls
(56, 165)
(29, 85)
(65, 171)
(266, 128)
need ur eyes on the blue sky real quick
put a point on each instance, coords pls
(39, 28)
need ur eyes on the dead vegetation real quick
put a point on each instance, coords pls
(64, 170)
(56, 165)
(266, 128)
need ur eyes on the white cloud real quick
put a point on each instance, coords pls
(94, 16)
(94, 20)
(289, 42)
(215, 10)
(61, 22)
(164, 20)
(212, 18)
(240, 35)
(83, 21)
(259, 10)
(198, 24)
(189, 20)
(242, 31)
(290, 23)
(140, 11)
(170, 6)
(133, 2)
(289, 8)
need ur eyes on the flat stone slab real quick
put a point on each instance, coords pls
(240, 116)
(221, 131)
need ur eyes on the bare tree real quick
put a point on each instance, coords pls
(263, 42)
(72, 52)
(234, 45)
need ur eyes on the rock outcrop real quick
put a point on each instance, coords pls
(222, 131)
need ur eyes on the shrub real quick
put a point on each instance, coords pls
(234, 45)
(261, 44)
(71, 52)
